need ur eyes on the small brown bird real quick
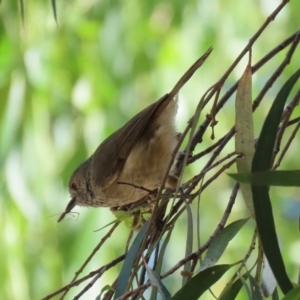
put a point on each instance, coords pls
(137, 154)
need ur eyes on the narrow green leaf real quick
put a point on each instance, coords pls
(245, 284)
(22, 11)
(265, 144)
(275, 295)
(156, 281)
(255, 290)
(269, 178)
(53, 3)
(231, 291)
(160, 260)
(267, 232)
(129, 260)
(262, 204)
(189, 240)
(201, 282)
(220, 242)
(244, 138)
(293, 294)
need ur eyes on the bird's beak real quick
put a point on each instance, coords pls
(69, 207)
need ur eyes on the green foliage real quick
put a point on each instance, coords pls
(232, 290)
(201, 282)
(220, 243)
(157, 282)
(263, 209)
(129, 261)
(262, 161)
(73, 72)
(270, 178)
(293, 294)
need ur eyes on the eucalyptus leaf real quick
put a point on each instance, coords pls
(263, 209)
(247, 288)
(220, 242)
(201, 282)
(22, 10)
(293, 294)
(244, 138)
(53, 3)
(255, 290)
(156, 281)
(129, 260)
(232, 290)
(189, 240)
(275, 295)
(160, 259)
(269, 178)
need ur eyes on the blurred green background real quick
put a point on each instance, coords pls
(65, 87)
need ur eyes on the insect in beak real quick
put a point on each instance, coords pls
(69, 207)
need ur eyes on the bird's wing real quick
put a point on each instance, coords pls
(110, 157)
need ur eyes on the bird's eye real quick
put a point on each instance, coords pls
(74, 186)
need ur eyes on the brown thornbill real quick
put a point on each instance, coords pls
(137, 154)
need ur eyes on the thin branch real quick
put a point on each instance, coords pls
(102, 241)
(100, 271)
